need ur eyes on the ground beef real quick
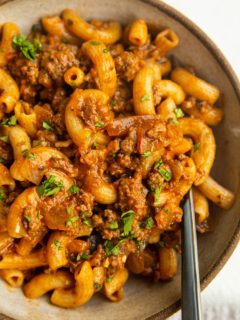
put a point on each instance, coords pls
(122, 101)
(55, 62)
(6, 153)
(127, 65)
(93, 112)
(102, 223)
(132, 196)
(21, 68)
(154, 180)
(128, 145)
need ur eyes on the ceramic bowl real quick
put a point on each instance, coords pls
(145, 300)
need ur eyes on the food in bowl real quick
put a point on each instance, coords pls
(101, 138)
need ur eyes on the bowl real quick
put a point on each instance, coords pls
(145, 300)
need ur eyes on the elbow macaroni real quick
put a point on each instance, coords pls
(96, 159)
(108, 34)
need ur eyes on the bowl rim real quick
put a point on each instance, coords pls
(231, 75)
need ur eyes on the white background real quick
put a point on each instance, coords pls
(220, 19)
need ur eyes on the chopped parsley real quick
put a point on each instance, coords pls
(111, 248)
(149, 223)
(69, 210)
(196, 147)
(37, 44)
(127, 219)
(158, 164)
(106, 50)
(113, 103)
(174, 120)
(157, 193)
(47, 126)
(74, 189)
(113, 225)
(4, 139)
(2, 195)
(9, 122)
(109, 279)
(1, 160)
(87, 222)
(95, 43)
(145, 98)
(56, 244)
(29, 49)
(71, 220)
(165, 210)
(114, 155)
(83, 256)
(27, 218)
(146, 154)
(97, 286)
(179, 113)
(161, 244)
(49, 187)
(99, 124)
(167, 175)
(95, 145)
(38, 143)
(29, 155)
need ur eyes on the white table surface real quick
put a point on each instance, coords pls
(220, 19)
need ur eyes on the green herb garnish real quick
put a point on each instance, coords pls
(87, 222)
(99, 124)
(113, 225)
(47, 126)
(27, 218)
(113, 103)
(109, 279)
(95, 43)
(111, 248)
(165, 210)
(83, 256)
(97, 286)
(71, 220)
(9, 122)
(167, 175)
(145, 98)
(49, 187)
(106, 50)
(4, 139)
(95, 145)
(57, 244)
(28, 49)
(69, 210)
(2, 195)
(174, 120)
(29, 155)
(179, 113)
(74, 189)
(196, 147)
(157, 193)
(158, 164)
(149, 223)
(146, 154)
(127, 219)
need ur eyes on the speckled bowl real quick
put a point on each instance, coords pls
(145, 300)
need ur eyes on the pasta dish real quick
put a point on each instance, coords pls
(101, 137)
